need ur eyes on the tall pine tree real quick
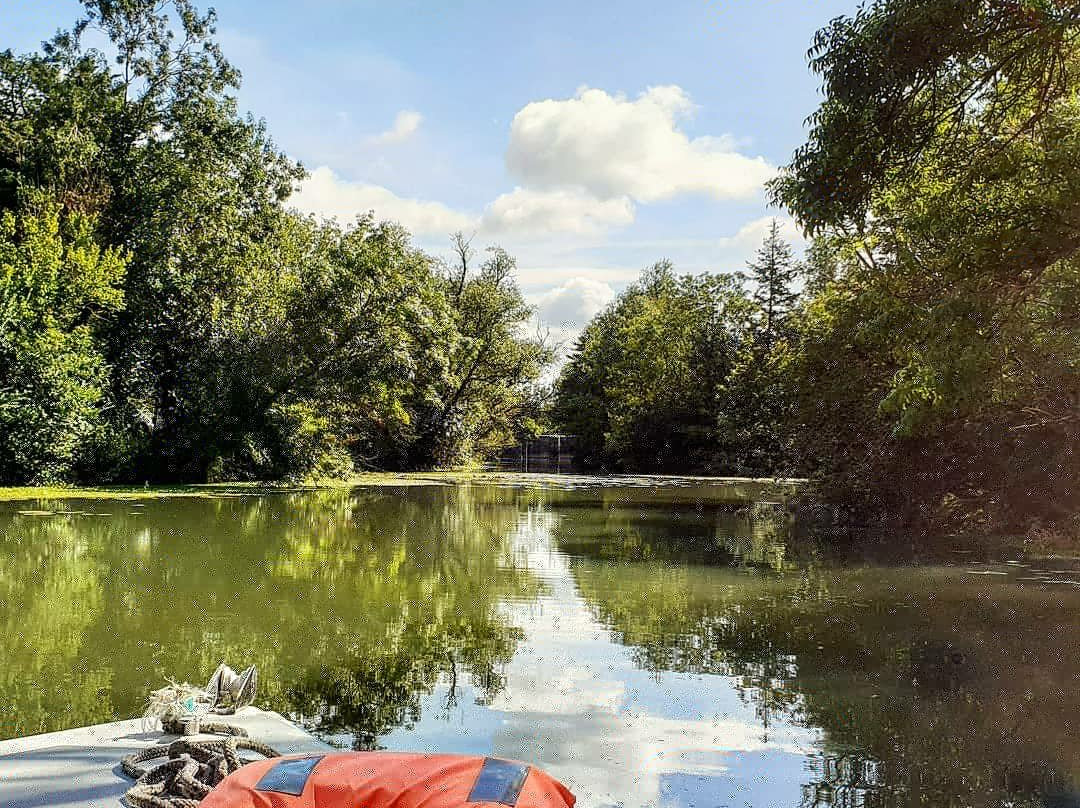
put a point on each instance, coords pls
(774, 272)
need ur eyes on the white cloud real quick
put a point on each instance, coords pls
(572, 304)
(405, 124)
(583, 164)
(327, 195)
(521, 213)
(752, 234)
(526, 211)
(564, 311)
(612, 146)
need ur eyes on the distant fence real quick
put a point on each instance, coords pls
(546, 453)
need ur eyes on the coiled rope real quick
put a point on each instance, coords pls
(193, 768)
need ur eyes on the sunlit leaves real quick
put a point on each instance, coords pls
(642, 389)
(56, 286)
(251, 342)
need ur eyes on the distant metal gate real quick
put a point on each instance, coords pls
(544, 454)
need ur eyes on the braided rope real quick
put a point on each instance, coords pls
(192, 770)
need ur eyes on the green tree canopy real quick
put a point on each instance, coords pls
(58, 288)
(251, 342)
(773, 272)
(937, 372)
(642, 387)
(902, 77)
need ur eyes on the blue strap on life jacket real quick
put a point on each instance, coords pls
(289, 776)
(499, 781)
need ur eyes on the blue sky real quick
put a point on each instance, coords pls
(590, 139)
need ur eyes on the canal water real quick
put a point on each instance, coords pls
(650, 644)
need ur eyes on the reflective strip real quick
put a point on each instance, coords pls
(289, 776)
(499, 781)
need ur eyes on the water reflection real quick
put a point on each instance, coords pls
(579, 703)
(941, 685)
(352, 605)
(652, 646)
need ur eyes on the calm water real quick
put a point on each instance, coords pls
(648, 646)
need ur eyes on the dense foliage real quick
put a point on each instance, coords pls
(165, 315)
(682, 373)
(929, 372)
(937, 371)
(642, 389)
(56, 286)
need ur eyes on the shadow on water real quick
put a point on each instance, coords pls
(377, 615)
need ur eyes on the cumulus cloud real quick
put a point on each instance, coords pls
(611, 146)
(584, 164)
(327, 195)
(572, 304)
(405, 124)
(522, 212)
(526, 211)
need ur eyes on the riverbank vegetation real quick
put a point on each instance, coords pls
(165, 316)
(927, 372)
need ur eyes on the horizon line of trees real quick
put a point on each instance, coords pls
(675, 374)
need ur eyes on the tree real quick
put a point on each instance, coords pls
(940, 170)
(819, 266)
(902, 78)
(493, 362)
(175, 177)
(253, 342)
(641, 389)
(754, 407)
(368, 330)
(58, 288)
(773, 274)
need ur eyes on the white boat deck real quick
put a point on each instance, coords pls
(81, 767)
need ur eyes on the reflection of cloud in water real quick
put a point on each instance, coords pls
(577, 705)
(622, 759)
(557, 687)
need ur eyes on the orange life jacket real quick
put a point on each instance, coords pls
(387, 780)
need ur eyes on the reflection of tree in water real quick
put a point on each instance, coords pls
(769, 686)
(932, 687)
(351, 604)
(49, 596)
(368, 695)
(756, 536)
(854, 781)
(618, 527)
